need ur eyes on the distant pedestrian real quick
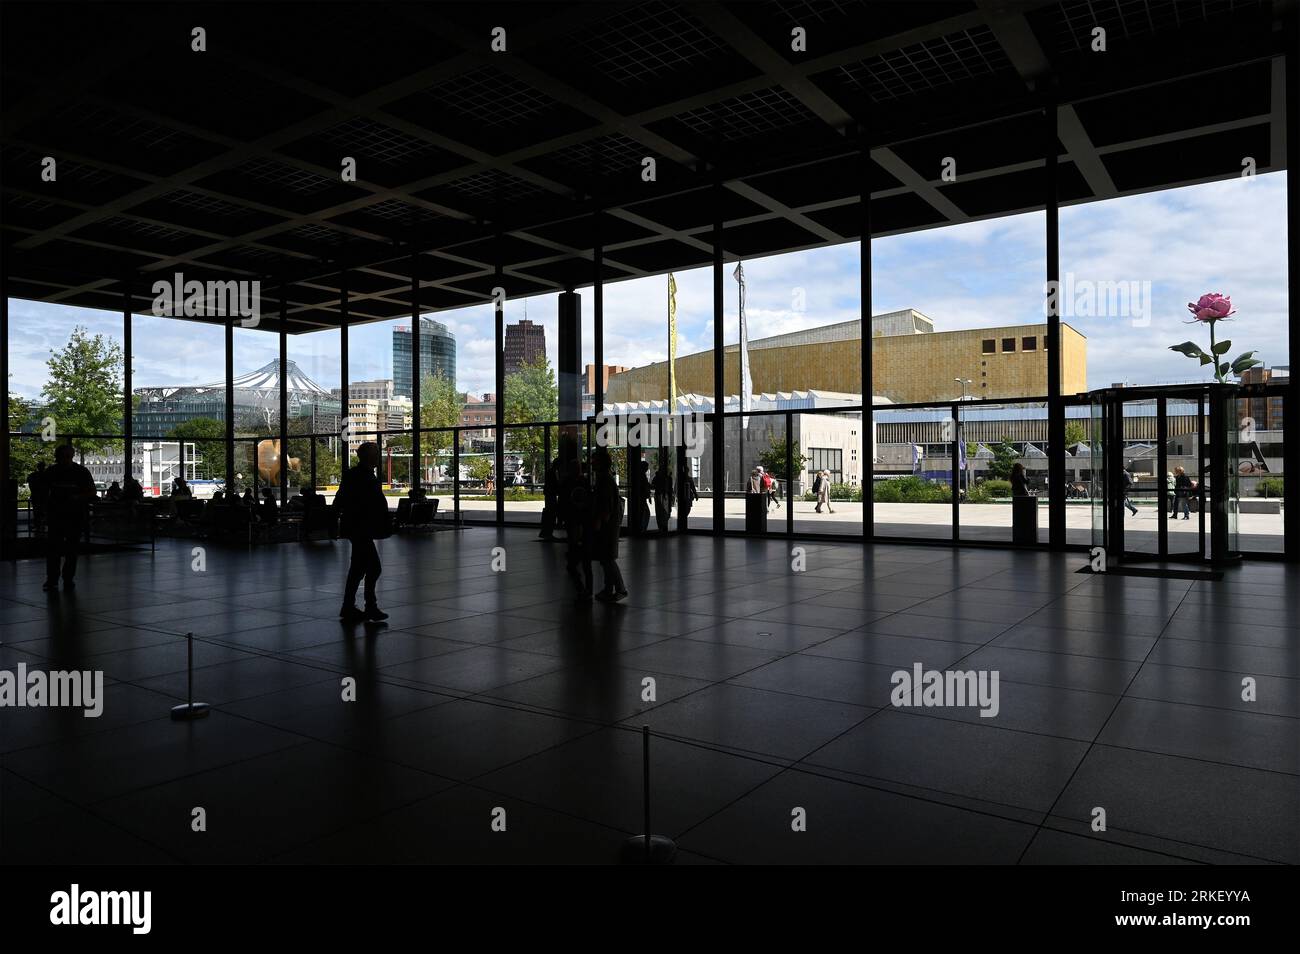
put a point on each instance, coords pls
(641, 493)
(363, 518)
(769, 488)
(1129, 483)
(69, 488)
(38, 494)
(822, 488)
(551, 500)
(662, 486)
(607, 514)
(576, 498)
(686, 494)
(1182, 493)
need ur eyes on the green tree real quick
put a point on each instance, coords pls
(1004, 457)
(440, 406)
(24, 452)
(208, 436)
(531, 395)
(1075, 433)
(773, 459)
(479, 468)
(84, 390)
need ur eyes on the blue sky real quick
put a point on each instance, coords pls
(1227, 236)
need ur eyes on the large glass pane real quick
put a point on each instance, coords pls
(1096, 480)
(758, 490)
(1143, 488)
(914, 470)
(1260, 457)
(315, 409)
(994, 438)
(831, 445)
(179, 408)
(66, 369)
(1185, 425)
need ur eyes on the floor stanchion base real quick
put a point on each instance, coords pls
(662, 850)
(189, 711)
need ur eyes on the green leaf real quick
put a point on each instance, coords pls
(1222, 347)
(1206, 359)
(1189, 348)
(1224, 368)
(1244, 362)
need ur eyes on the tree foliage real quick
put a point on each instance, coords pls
(1005, 456)
(773, 459)
(24, 452)
(531, 395)
(84, 391)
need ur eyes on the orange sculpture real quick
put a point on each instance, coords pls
(268, 461)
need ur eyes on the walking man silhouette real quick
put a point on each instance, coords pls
(363, 518)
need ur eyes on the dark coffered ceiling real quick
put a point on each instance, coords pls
(226, 164)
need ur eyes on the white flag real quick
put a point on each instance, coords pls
(746, 383)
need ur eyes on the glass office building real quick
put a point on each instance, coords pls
(437, 354)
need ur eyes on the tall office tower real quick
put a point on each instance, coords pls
(437, 354)
(525, 343)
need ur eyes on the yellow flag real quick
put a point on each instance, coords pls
(672, 344)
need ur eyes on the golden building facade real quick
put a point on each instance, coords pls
(1004, 361)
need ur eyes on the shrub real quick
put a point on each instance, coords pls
(1270, 487)
(846, 492)
(996, 488)
(911, 489)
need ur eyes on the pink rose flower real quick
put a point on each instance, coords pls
(1211, 307)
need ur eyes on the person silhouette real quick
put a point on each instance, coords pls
(38, 493)
(551, 498)
(607, 520)
(686, 493)
(662, 485)
(69, 489)
(363, 518)
(578, 530)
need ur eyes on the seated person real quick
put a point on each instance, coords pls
(268, 511)
(113, 493)
(181, 490)
(131, 490)
(218, 497)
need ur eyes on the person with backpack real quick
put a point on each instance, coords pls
(1129, 482)
(769, 488)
